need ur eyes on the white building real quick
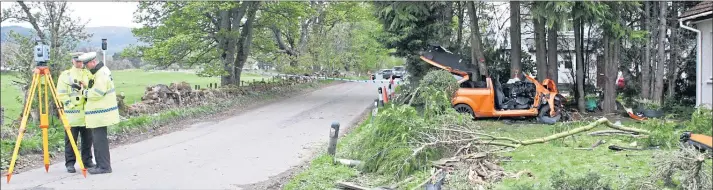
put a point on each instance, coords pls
(700, 20)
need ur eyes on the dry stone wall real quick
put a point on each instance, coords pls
(161, 97)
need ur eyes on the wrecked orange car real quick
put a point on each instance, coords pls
(488, 98)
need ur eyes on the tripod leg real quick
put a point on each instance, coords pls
(23, 124)
(65, 123)
(44, 121)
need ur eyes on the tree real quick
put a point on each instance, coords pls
(189, 33)
(660, 66)
(52, 25)
(515, 39)
(245, 40)
(476, 43)
(578, 39)
(540, 42)
(409, 27)
(615, 31)
(646, 65)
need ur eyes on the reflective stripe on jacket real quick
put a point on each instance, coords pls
(101, 108)
(72, 99)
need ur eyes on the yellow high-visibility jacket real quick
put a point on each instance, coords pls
(101, 108)
(72, 99)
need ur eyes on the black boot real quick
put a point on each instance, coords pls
(97, 170)
(89, 165)
(70, 169)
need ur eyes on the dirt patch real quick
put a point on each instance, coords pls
(33, 161)
(280, 180)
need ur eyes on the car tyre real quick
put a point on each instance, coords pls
(544, 116)
(463, 108)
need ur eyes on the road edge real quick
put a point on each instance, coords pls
(280, 180)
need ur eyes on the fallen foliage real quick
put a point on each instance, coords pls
(685, 169)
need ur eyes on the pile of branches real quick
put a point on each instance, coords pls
(687, 166)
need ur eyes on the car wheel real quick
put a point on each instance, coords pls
(463, 108)
(544, 116)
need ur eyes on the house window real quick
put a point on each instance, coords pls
(567, 61)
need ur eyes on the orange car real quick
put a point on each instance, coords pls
(488, 98)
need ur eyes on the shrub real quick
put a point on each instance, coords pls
(440, 80)
(667, 133)
(701, 122)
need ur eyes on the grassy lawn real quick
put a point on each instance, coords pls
(545, 160)
(130, 82)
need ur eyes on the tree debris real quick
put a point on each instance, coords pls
(595, 145)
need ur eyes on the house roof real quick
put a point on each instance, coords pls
(702, 7)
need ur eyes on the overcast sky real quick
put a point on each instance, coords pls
(97, 13)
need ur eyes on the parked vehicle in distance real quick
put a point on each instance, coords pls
(386, 73)
(399, 71)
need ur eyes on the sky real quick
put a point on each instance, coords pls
(97, 13)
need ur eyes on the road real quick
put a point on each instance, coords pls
(246, 148)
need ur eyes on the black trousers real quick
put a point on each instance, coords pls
(85, 148)
(101, 148)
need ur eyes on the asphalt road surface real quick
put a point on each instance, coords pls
(246, 148)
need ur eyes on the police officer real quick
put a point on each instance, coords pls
(69, 89)
(101, 109)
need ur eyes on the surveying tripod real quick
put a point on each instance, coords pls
(43, 82)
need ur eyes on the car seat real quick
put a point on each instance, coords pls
(499, 95)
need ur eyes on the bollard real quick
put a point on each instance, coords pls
(374, 111)
(381, 98)
(333, 135)
(386, 97)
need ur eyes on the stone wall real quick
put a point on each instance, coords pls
(162, 97)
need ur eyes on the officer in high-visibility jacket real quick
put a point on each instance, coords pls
(69, 88)
(100, 110)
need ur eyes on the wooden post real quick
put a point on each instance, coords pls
(333, 136)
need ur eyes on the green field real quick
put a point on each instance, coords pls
(130, 82)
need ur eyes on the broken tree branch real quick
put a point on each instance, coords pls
(591, 126)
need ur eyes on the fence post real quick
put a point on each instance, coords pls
(333, 135)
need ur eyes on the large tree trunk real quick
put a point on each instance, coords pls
(245, 40)
(475, 43)
(645, 75)
(459, 38)
(552, 65)
(515, 49)
(227, 56)
(540, 49)
(578, 30)
(447, 18)
(674, 55)
(658, 90)
(611, 65)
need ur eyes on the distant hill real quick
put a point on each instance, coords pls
(118, 38)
